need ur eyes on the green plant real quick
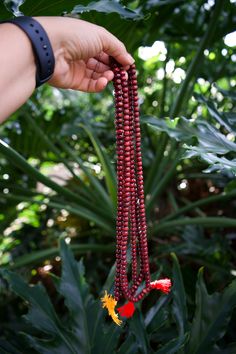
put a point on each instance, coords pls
(83, 328)
(188, 129)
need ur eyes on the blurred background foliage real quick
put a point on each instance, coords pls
(58, 174)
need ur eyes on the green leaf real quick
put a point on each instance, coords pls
(4, 13)
(137, 327)
(130, 346)
(108, 6)
(39, 256)
(98, 191)
(200, 139)
(212, 315)
(173, 346)
(110, 175)
(154, 312)
(179, 298)
(218, 116)
(82, 330)
(42, 315)
(47, 8)
(75, 291)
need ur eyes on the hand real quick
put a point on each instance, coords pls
(82, 51)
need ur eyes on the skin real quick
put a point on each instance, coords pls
(81, 51)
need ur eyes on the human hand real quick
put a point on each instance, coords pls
(82, 51)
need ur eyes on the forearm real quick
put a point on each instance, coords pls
(17, 69)
(81, 51)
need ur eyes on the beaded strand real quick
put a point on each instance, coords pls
(131, 220)
(131, 227)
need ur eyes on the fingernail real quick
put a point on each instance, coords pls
(130, 59)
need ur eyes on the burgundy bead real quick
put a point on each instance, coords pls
(131, 220)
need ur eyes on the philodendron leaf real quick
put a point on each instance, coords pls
(212, 315)
(199, 139)
(84, 331)
(74, 289)
(220, 117)
(43, 317)
(108, 6)
(47, 8)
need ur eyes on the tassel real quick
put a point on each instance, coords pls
(126, 310)
(163, 285)
(110, 303)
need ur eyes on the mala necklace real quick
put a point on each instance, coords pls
(131, 227)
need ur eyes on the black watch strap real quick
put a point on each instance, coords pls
(44, 57)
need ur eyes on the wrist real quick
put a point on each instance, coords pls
(41, 45)
(51, 28)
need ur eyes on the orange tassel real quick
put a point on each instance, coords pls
(126, 310)
(163, 285)
(109, 303)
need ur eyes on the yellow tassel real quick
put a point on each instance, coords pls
(110, 303)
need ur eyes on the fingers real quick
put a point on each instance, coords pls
(103, 57)
(97, 66)
(92, 81)
(91, 85)
(115, 48)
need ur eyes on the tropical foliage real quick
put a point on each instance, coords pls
(58, 181)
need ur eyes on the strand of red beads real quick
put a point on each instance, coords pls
(131, 219)
(131, 224)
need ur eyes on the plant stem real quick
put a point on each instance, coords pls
(201, 202)
(211, 221)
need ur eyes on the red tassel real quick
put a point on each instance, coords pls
(163, 285)
(127, 310)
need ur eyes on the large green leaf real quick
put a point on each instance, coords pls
(47, 8)
(43, 317)
(81, 331)
(200, 139)
(212, 315)
(58, 7)
(76, 293)
(220, 117)
(108, 6)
